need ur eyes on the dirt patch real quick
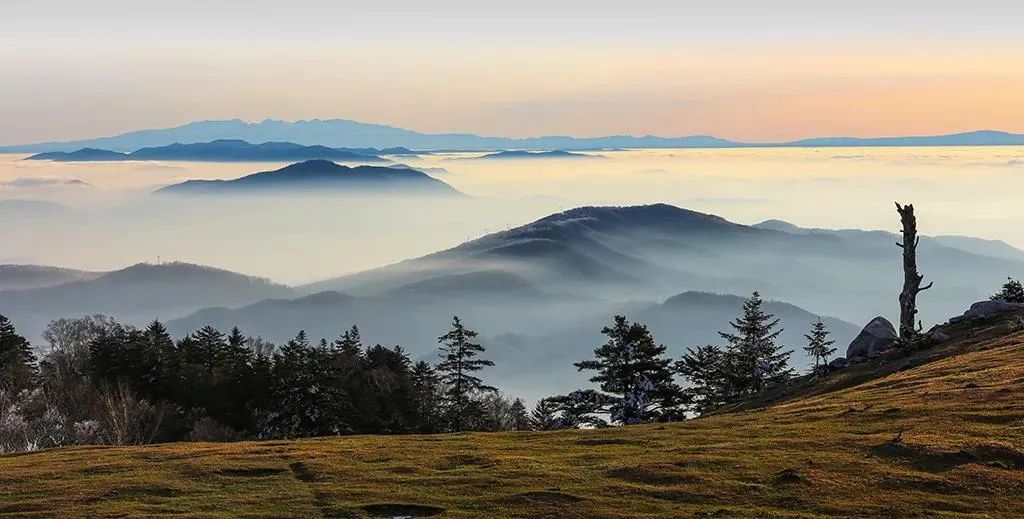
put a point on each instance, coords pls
(21, 508)
(402, 510)
(465, 460)
(931, 460)
(930, 485)
(302, 472)
(791, 477)
(251, 472)
(103, 469)
(137, 492)
(999, 456)
(606, 441)
(923, 458)
(653, 474)
(543, 497)
(403, 469)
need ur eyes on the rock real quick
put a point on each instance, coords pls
(839, 363)
(938, 337)
(987, 308)
(877, 336)
(858, 359)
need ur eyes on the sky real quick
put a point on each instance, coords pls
(743, 70)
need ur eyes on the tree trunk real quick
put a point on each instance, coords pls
(911, 278)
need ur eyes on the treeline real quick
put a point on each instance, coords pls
(104, 382)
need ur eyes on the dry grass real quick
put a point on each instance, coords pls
(817, 451)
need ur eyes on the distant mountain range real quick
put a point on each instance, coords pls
(320, 175)
(528, 155)
(351, 134)
(223, 150)
(540, 293)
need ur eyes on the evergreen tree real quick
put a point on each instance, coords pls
(426, 395)
(17, 361)
(459, 362)
(544, 416)
(754, 358)
(518, 416)
(706, 368)
(633, 373)
(818, 344)
(163, 379)
(205, 348)
(1012, 292)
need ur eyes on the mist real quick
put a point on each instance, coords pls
(112, 220)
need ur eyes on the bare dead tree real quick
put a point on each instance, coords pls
(911, 278)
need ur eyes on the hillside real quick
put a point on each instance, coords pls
(320, 175)
(826, 450)
(656, 251)
(15, 277)
(221, 150)
(136, 294)
(530, 155)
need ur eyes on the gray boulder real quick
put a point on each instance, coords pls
(987, 308)
(879, 335)
(838, 363)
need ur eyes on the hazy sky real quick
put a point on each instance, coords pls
(738, 69)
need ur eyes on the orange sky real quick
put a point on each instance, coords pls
(742, 71)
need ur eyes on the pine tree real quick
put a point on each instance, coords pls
(458, 352)
(163, 378)
(818, 344)
(544, 416)
(519, 419)
(635, 375)
(206, 348)
(754, 360)
(426, 395)
(17, 362)
(1012, 292)
(706, 369)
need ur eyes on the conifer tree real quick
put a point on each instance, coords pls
(426, 395)
(459, 362)
(544, 416)
(632, 370)
(706, 369)
(163, 377)
(518, 417)
(1012, 292)
(754, 359)
(819, 346)
(17, 361)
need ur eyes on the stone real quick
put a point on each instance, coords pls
(938, 337)
(879, 335)
(838, 363)
(986, 308)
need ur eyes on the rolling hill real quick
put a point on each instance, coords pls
(136, 294)
(653, 252)
(16, 277)
(531, 155)
(936, 433)
(320, 175)
(222, 150)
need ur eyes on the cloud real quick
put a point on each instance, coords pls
(43, 182)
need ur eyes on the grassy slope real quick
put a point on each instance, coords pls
(821, 451)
